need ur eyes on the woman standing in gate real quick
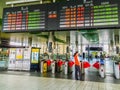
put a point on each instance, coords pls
(77, 65)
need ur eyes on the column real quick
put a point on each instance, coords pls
(72, 43)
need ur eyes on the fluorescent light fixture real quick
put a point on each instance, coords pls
(21, 1)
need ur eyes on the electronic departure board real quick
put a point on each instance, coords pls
(69, 15)
(52, 17)
(25, 18)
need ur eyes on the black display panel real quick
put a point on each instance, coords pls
(37, 17)
(25, 18)
(69, 15)
(94, 48)
(52, 16)
(106, 13)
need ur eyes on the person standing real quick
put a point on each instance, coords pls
(77, 66)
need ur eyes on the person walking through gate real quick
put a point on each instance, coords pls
(77, 66)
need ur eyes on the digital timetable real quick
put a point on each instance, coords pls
(70, 15)
(24, 18)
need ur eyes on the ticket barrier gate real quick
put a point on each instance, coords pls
(102, 70)
(66, 67)
(70, 67)
(48, 65)
(53, 66)
(58, 65)
(116, 70)
(82, 68)
(43, 66)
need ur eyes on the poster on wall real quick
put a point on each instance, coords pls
(12, 59)
(26, 60)
(18, 65)
(26, 65)
(19, 54)
(27, 54)
(11, 64)
(35, 56)
(12, 53)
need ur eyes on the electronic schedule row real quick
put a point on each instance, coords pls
(62, 16)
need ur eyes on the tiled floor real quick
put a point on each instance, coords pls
(16, 82)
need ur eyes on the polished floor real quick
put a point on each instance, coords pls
(20, 82)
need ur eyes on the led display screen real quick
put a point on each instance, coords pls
(69, 15)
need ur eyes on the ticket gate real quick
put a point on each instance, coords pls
(53, 66)
(43, 66)
(82, 68)
(58, 65)
(66, 67)
(102, 70)
(70, 66)
(116, 70)
(48, 65)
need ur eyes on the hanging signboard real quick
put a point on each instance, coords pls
(70, 15)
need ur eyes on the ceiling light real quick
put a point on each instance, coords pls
(21, 1)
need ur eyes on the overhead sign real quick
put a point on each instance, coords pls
(70, 15)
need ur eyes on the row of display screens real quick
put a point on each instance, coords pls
(77, 20)
(62, 26)
(66, 15)
(68, 10)
(65, 23)
(62, 22)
